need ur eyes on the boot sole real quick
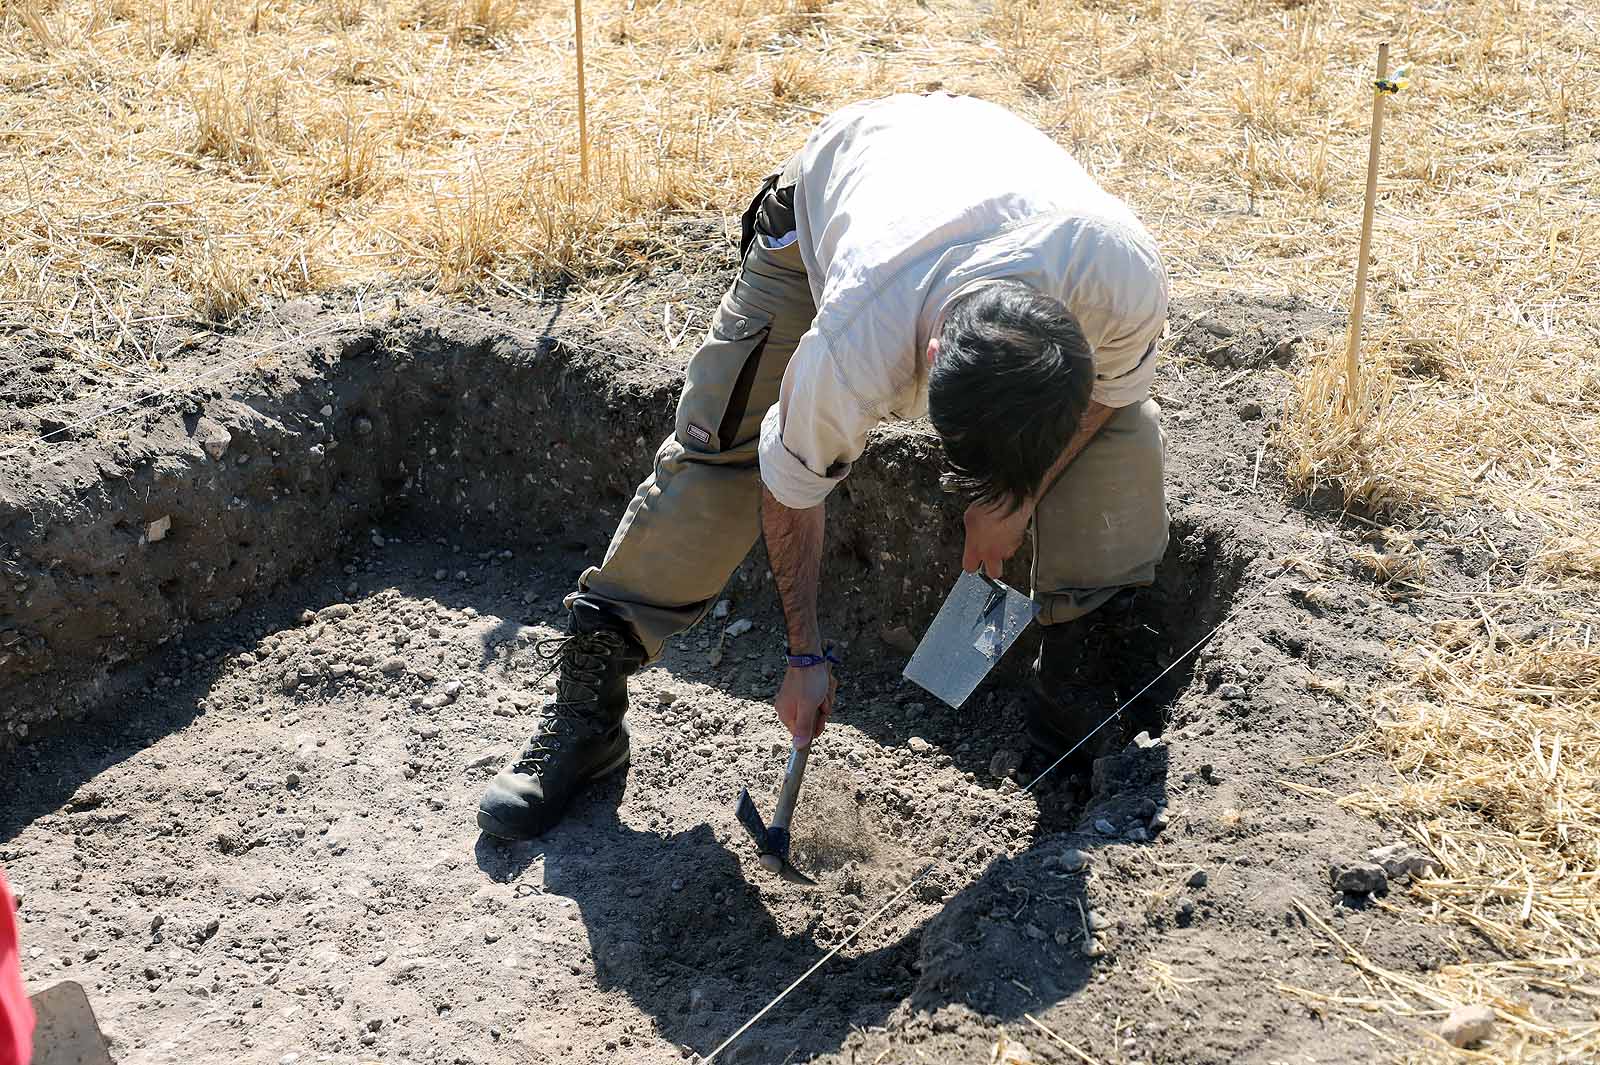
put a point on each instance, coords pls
(493, 826)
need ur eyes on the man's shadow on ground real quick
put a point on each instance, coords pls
(704, 958)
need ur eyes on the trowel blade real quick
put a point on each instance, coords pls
(66, 1032)
(979, 621)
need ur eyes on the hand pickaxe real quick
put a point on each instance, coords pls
(772, 841)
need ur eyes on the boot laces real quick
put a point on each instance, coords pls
(581, 660)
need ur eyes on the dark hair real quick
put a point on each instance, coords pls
(1007, 389)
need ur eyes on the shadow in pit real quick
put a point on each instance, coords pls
(705, 957)
(47, 776)
(1126, 645)
(1007, 939)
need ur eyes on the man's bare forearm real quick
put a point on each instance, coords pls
(794, 548)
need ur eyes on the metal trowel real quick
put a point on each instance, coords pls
(772, 840)
(67, 1032)
(980, 620)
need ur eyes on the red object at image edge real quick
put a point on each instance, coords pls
(16, 1015)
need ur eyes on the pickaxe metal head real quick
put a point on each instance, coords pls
(772, 841)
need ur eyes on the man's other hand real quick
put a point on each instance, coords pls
(804, 701)
(993, 536)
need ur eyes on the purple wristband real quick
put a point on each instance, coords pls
(807, 661)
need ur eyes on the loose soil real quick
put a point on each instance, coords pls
(246, 752)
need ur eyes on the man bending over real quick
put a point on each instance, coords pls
(922, 255)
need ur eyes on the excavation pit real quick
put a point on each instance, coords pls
(243, 813)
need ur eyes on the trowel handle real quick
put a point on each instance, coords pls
(790, 793)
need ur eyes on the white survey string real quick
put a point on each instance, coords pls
(870, 921)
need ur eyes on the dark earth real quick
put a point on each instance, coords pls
(265, 636)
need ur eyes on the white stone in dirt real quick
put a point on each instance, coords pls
(393, 666)
(1104, 827)
(919, 745)
(1231, 692)
(212, 438)
(1144, 741)
(1398, 860)
(1073, 860)
(1467, 1025)
(158, 529)
(740, 627)
(335, 611)
(722, 608)
(666, 696)
(327, 410)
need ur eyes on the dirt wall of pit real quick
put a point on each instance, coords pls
(203, 502)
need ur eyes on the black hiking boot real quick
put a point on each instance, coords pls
(579, 735)
(1075, 687)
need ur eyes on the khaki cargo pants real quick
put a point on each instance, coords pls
(1101, 528)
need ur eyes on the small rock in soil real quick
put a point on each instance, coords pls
(1230, 692)
(393, 666)
(1359, 878)
(899, 638)
(1160, 820)
(722, 608)
(1145, 741)
(740, 627)
(158, 529)
(1249, 411)
(1185, 913)
(666, 696)
(1138, 834)
(1399, 860)
(1092, 948)
(1467, 1025)
(1073, 860)
(1198, 879)
(493, 756)
(1005, 762)
(213, 438)
(335, 611)
(919, 745)
(1104, 827)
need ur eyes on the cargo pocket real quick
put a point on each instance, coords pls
(714, 412)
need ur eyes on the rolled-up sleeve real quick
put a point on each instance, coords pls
(1125, 361)
(818, 427)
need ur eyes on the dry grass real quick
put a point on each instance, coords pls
(174, 161)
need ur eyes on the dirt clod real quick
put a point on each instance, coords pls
(1360, 878)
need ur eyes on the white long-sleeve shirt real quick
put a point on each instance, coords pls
(907, 201)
